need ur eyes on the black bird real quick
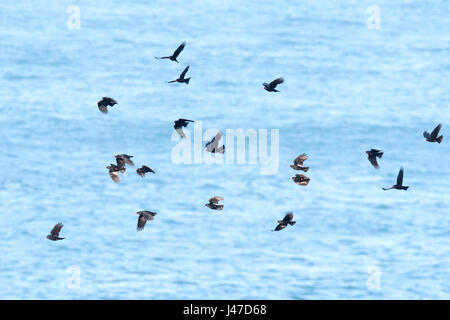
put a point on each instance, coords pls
(114, 172)
(104, 103)
(287, 220)
(214, 203)
(433, 137)
(298, 163)
(126, 158)
(179, 124)
(213, 145)
(271, 86)
(144, 216)
(121, 164)
(142, 171)
(54, 233)
(372, 155)
(399, 185)
(181, 79)
(301, 180)
(175, 54)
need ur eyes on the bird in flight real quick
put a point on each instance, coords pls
(54, 233)
(271, 86)
(144, 216)
(213, 145)
(433, 137)
(125, 158)
(372, 155)
(181, 79)
(214, 203)
(175, 54)
(399, 185)
(104, 103)
(298, 163)
(143, 170)
(301, 180)
(121, 164)
(287, 220)
(114, 169)
(179, 124)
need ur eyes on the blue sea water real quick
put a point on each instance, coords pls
(347, 89)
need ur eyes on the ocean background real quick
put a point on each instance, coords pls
(347, 89)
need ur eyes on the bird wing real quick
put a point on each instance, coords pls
(102, 108)
(128, 160)
(299, 160)
(56, 229)
(186, 122)
(281, 226)
(373, 161)
(289, 216)
(109, 101)
(220, 149)
(180, 132)
(400, 177)
(301, 179)
(147, 214)
(147, 169)
(114, 176)
(178, 50)
(184, 72)
(120, 162)
(142, 220)
(215, 200)
(435, 132)
(276, 82)
(211, 145)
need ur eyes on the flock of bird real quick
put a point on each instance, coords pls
(213, 146)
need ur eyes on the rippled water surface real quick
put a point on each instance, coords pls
(347, 89)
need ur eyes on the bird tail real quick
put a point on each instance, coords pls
(187, 80)
(59, 238)
(439, 139)
(405, 188)
(292, 223)
(380, 154)
(220, 150)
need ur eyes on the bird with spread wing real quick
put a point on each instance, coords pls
(175, 54)
(214, 203)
